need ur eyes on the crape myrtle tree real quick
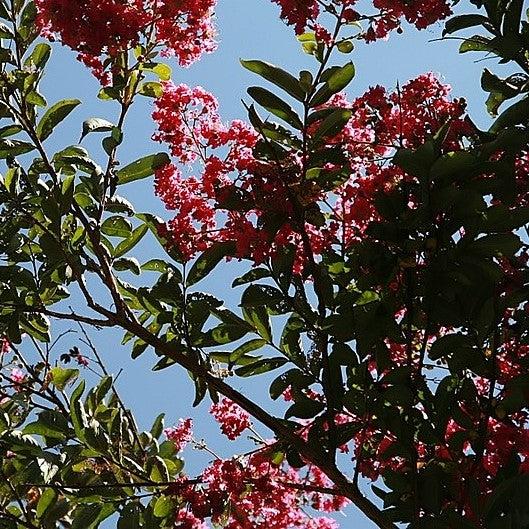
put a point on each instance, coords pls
(386, 284)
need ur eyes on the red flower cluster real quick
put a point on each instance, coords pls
(419, 13)
(96, 29)
(236, 194)
(232, 418)
(254, 493)
(298, 13)
(185, 28)
(381, 123)
(303, 14)
(5, 346)
(187, 520)
(181, 434)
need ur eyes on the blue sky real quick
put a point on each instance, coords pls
(247, 29)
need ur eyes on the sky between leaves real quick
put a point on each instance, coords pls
(247, 29)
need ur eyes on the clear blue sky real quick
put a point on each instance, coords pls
(247, 29)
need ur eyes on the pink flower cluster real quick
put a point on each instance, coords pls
(235, 194)
(381, 123)
(187, 520)
(5, 346)
(303, 14)
(101, 29)
(181, 434)
(232, 418)
(252, 492)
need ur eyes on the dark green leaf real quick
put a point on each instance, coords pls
(95, 125)
(460, 22)
(275, 105)
(209, 260)
(142, 168)
(54, 115)
(514, 115)
(253, 275)
(129, 264)
(277, 76)
(128, 244)
(338, 79)
(261, 366)
(332, 125)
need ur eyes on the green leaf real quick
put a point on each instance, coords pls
(157, 265)
(208, 261)
(61, 377)
(282, 265)
(346, 46)
(463, 22)
(6, 55)
(290, 343)
(10, 148)
(128, 244)
(86, 516)
(223, 334)
(253, 275)
(130, 517)
(34, 98)
(514, 115)
(277, 76)
(39, 56)
(246, 348)
(50, 424)
(5, 31)
(475, 43)
(129, 264)
(294, 378)
(163, 507)
(500, 91)
(10, 130)
(151, 89)
(77, 410)
(339, 78)
(416, 162)
(504, 244)
(261, 366)
(448, 345)
(304, 408)
(513, 15)
(37, 325)
(117, 227)
(142, 168)
(458, 163)
(54, 115)
(275, 105)
(103, 387)
(163, 71)
(46, 501)
(333, 124)
(158, 426)
(259, 319)
(95, 125)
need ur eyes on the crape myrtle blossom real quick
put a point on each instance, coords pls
(181, 434)
(233, 420)
(99, 30)
(235, 194)
(231, 192)
(253, 491)
(5, 346)
(387, 16)
(257, 493)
